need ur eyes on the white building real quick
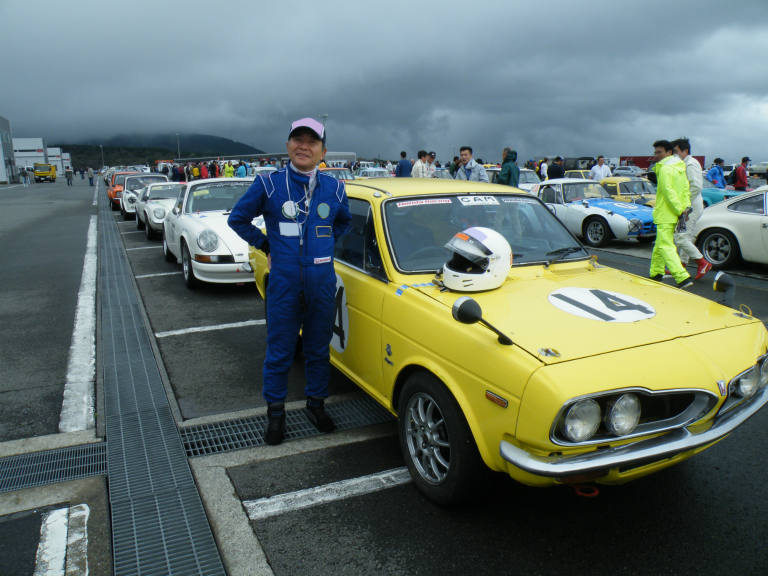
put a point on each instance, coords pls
(7, 160)
(27, 151)
(66, 159)
(55, 158)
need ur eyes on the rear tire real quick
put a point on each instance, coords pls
(436, 441)
(719, 247)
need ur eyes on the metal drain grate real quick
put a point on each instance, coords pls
(248, 432)
(159, 525)
(51, 466)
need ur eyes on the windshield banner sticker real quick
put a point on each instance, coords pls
(603, 305)
(423, 202)
(478, 200)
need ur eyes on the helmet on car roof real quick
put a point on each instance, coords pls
(480, 260)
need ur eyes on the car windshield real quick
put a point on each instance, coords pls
(419, 228)
(136, 182)
(119, 179)
(340, 173)
(579, 191)
(160, 191)
(528, 177)
(636, 188)
(374, 173)
(209, 197)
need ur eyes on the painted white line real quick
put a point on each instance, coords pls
(143, 248)
(52, 548)
(11, 186)
(159, 274)
(210, 328)
(283, 503)
(77, 405)
(134, 232)
(96, 194)
(77, 540)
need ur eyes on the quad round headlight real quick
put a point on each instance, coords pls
(159, 213)
(208, 241)
(623, 415)
(747, 383)
(130, 198)
(635, 225)
(763, 380)
(582, 420)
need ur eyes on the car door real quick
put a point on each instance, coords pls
(171, 224)
(360, 286)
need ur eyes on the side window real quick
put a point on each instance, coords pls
(548, 195)
(180, 198)
(752, 205)
(358, 247)
(611, 189)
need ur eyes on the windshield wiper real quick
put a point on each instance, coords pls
(561, 253)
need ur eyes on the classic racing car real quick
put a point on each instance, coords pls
(133, 187)
(565, 371)
(630, 189)
(589, 211)
(153, 205)
(196, 232)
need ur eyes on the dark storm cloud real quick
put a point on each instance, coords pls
(555, 78)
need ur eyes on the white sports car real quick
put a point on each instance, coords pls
(131, 190)
(735, 228)
(154, 203)
(197, 234)
(587, 210)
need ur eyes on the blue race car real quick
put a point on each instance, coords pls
(714, 195)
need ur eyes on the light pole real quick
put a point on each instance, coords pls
(178, 147)
(102, 155)
(325, 118)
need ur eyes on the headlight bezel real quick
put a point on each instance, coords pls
(161, 210)
(735, 397)
(700, 403)
(208, 240)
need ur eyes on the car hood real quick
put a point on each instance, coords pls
(556, 315)
(625, 209)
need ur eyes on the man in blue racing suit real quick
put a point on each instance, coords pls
(304, 211)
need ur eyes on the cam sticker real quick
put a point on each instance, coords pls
(323, 210)
(478, 201)
(603, 305)
(340, 318)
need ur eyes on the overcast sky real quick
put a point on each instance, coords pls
(555, 77)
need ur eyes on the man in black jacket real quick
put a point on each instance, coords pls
(555, 169)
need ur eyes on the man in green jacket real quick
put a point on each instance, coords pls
(510, 173)
(672, 201)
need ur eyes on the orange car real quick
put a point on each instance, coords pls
(115, 188)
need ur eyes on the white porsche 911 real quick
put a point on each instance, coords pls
(153, 205)
(130, 195)
(196, 233)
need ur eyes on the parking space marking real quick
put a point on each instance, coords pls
(282, 503)
(210, 328)
(133, 232)
(96, 195)
(52, 548)
(77, 404)
(159, 274)
(143, 248)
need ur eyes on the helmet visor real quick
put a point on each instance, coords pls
(470, 248)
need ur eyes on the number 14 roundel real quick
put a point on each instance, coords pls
(340, 318)
(603, 305)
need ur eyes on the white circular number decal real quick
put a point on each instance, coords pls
(602, 305)
(340, 318)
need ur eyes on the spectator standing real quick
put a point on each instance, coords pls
(684, 239)
(715, 175)
(555, 169)
(403, 168)
(600, 170)
(510, 173)
(241, 171)
(672, 201)
(469, 169)
(453, 166)
(24, 175)
(229, 170)
(82, 174)
(203, 170)
(543, 167)
(90, 176)
(420, 166)
(431, 164)
(195, 172)
(69, 174)
(742, 179)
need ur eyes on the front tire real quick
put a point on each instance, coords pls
(596, 231)
(719, 247)
(139, 222)
(169, 257)
(148, 232)
(436, 441)
(186, 266)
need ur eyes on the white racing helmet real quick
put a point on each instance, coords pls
(480, 261)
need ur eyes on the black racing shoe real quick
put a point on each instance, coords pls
(683, 284)
(275, 423)
(657, 277)
(316, 413)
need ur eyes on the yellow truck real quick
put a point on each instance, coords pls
(45, 172)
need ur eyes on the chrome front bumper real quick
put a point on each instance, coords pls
(637, 453)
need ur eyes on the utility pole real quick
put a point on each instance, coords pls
(102, 155)
(178, 147)
(325, 118)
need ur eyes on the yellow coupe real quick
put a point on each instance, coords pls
(568, 372)
(634, 190)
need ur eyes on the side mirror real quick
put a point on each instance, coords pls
(468, 311)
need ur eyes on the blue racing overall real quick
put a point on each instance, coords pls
(302, 226)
